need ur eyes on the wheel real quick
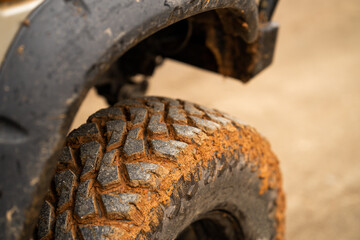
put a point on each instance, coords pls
(158, 168)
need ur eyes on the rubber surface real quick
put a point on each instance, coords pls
(149, 167)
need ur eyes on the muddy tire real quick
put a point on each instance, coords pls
(157, 168)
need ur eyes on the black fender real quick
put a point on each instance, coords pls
(50, 66)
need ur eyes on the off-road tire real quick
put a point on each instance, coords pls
(158, 168)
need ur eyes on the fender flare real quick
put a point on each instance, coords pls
(47, 72)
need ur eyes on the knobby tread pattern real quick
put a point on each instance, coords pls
(119, 161)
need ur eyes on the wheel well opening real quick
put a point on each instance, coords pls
(206, 40)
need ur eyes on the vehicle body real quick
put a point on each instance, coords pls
(65, 47)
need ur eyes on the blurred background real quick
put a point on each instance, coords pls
(307, 104)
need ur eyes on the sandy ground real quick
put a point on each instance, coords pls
(307, 104)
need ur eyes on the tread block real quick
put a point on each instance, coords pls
(191, 109)
(140, 171)
(112, 113)
(221, 164)
(119, 203)
(89, 153)
(88, 130)
(129, 102)
(108, 173)
(138, 115)
(240, 161)
(167, 149)
(186, 131)
(65, 182)
(206, 109)
(234, 119)
(46, 219)
(66, 156)
(192, 191)
(172, 102)
(157, 127)
(173, 211)
(205, 125)
(134, 144)
(176, 115)
(221, 120)
(209, 172)
(158, 107)
(116, 129)
(62, 227)
(115, 125)
(96, 232)
(84, 202)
